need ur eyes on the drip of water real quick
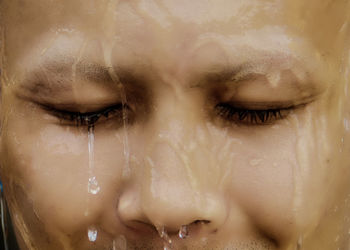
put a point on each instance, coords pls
(120, 243)
(299, 243)
(346, 124)
(92, 234)
(126, 171)
(255, 162)
(167, 242)
(274, 78)
(183, 232)
(108, 61)
(93, 186)
(337, 238)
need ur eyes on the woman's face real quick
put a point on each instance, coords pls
(228, 119)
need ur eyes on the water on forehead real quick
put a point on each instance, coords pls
(173, 26)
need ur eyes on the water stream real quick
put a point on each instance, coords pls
(120, 243)
(299, 243)
(92, 234)
(167, 242)
(183, 232)
(93, 187)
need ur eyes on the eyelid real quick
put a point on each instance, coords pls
(86, 118)
(265, 105)
(249, 116)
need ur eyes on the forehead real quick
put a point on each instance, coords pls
(171, 26)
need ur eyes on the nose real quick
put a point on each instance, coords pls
(177, 185)
(170, 194)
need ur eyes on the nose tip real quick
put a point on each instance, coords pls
(206, 212)
(172, 193)
(201, 212)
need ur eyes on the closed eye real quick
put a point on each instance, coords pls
(119, 111)
(229, 113)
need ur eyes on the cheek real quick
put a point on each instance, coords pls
(323, 174)
(51, 164)
(261, 179)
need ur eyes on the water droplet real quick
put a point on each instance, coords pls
(183, 232)
(346, 124)
(92, 234)
(255, 162)
(204, 240)
(337, 238)
(299, 243)
(120, 243)
(274, 78)
(167, 242)
(93, 187)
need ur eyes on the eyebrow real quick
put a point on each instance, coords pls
(54, 77)
(236, 74)
(219, 76)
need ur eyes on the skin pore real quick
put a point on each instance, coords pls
(230, 117)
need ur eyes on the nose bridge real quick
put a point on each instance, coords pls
(173, 194)
(172, 143)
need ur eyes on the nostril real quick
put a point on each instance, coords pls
(201, 222)
(183, 232)
(201, 227)
(139, 226)
(194, 227)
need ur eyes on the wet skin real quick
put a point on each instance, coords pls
(236, 123)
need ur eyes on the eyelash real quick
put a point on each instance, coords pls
(250, 116)
(90, 118)
(224, 110)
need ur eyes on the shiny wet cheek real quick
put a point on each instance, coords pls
(276, 169)
(260, 167)
(52, 162)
